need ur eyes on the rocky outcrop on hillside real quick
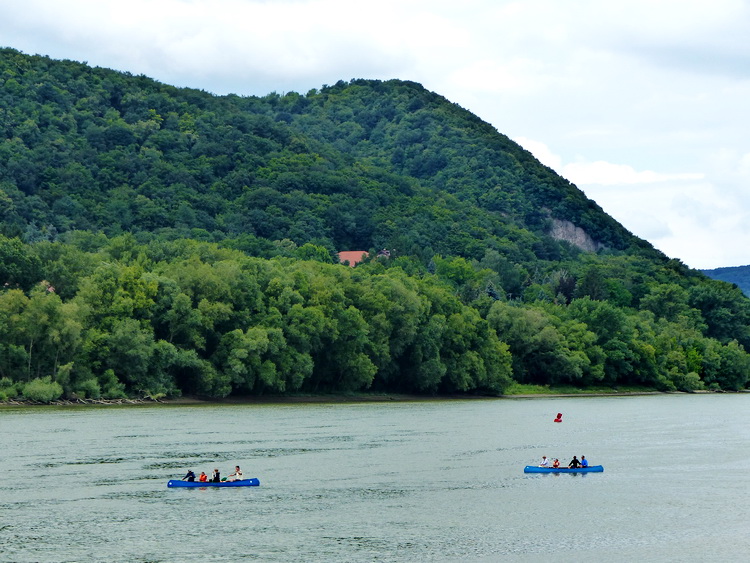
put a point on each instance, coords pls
(567, 231)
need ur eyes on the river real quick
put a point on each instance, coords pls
(389, 481)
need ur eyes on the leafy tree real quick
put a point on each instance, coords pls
(727, 316)
(18, 268)
(542, 352)
(42, 390)
(669, 301)
(735, 367)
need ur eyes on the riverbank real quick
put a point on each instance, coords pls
(250, 400)
(344, 398)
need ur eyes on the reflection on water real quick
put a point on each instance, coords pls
(422, 481)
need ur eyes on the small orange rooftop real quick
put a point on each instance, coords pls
(354, 257)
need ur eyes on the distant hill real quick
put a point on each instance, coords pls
(738, 275)
(158, 240)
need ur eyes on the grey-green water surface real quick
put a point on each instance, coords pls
(399, 481)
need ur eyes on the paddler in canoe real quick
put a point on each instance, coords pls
(237, 475)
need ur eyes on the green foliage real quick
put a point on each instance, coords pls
(726, 313)
(111, 387)
(186, 317)
(358, 165)
(545, 349)
(686, 381)
(18, 268)
(8, 389)
(737, 275)
(88, 389)
(42, 390)
(156, 241)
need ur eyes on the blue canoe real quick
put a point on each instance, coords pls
(589, 469)
(254, 482)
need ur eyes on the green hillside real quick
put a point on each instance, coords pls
(161, 241)
(737, 275)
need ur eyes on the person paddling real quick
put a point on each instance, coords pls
(190, 476)
(574, 463)
(237, 475)
(216, 477)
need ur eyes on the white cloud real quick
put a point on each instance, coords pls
(609, 174)
(693, 221)
(683, 214)
(488, 76)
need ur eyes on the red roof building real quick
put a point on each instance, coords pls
(354, 257)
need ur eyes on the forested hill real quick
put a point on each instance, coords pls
(738, 275)
(158, 240)
(353, 166)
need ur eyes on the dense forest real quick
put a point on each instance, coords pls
(157, 241)
(738, 275)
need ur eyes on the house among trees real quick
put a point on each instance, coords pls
(353, 257)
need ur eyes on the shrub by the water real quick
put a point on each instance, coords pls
(42, 390)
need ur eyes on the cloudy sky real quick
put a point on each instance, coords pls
(643, 104)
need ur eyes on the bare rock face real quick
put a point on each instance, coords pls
(567, 231)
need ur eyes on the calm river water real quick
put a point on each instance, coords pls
(397, 481)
